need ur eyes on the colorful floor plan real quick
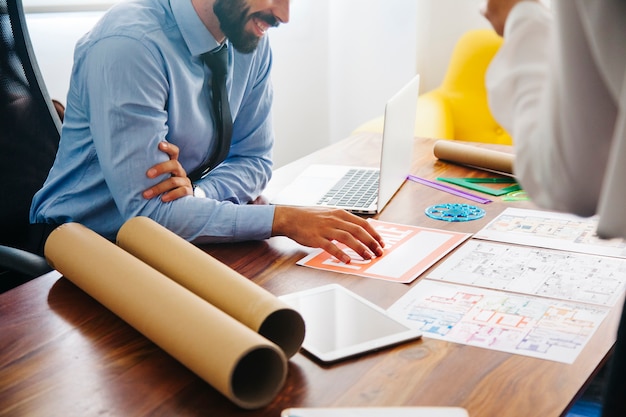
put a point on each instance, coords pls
(532, 326)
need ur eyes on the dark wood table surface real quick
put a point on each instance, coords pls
(63, 354)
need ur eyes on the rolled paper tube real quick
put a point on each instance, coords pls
(213, 281)
(242, 365)
(474, 156)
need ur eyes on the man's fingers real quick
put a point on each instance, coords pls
(362, 231)
(357, 234)
(334, 250)
(170, 149)
(176, 194)
(171, 188)
(324, 228)
(171, 167)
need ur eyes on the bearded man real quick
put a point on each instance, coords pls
(140, 116)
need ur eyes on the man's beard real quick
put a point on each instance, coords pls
(233, 16)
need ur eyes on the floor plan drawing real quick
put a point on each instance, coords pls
(530, 282)
(551, 230)
(532, 326)
(535, 271)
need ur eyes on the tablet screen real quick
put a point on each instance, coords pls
(376, 412)
(340, 324)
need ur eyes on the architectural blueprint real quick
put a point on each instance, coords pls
(535, 271)
(551, 230)
(531, 282)
(532, 326)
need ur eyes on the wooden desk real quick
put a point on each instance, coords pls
(63, 354)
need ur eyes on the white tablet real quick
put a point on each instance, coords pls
(340, 324)
(376, 412)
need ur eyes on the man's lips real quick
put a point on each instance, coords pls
(260, 26)
(262, 23)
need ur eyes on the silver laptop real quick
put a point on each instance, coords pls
(361, 189)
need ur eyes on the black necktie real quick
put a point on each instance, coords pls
(217, 61)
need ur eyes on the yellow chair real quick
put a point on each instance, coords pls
(458, 108)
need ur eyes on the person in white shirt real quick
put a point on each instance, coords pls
(558, 85)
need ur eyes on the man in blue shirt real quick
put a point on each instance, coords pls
(138, 81)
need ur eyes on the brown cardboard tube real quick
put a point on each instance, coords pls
(242, 365)
(213, 281)
(474, 156)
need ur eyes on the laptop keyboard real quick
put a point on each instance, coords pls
(358, 188)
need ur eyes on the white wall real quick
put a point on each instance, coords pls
(301, 81)
(372, 57)
(327, 76)
(338, 61)
(441, 23)
(53, 36)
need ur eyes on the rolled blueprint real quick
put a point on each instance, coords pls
(213, 281)
(242, 365)
(474, 156)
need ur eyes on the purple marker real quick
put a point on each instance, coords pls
(448, 189)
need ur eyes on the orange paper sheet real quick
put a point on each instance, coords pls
(408, 252)
(244, 366)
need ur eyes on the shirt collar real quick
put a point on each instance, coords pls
(197, 37)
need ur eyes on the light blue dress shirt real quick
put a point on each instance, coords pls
(138, 79)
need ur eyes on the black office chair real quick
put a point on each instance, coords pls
(29, 138)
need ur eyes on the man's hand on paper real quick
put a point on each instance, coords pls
(497, 12)
(319, 228)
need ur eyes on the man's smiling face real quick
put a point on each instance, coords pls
(244, 22)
